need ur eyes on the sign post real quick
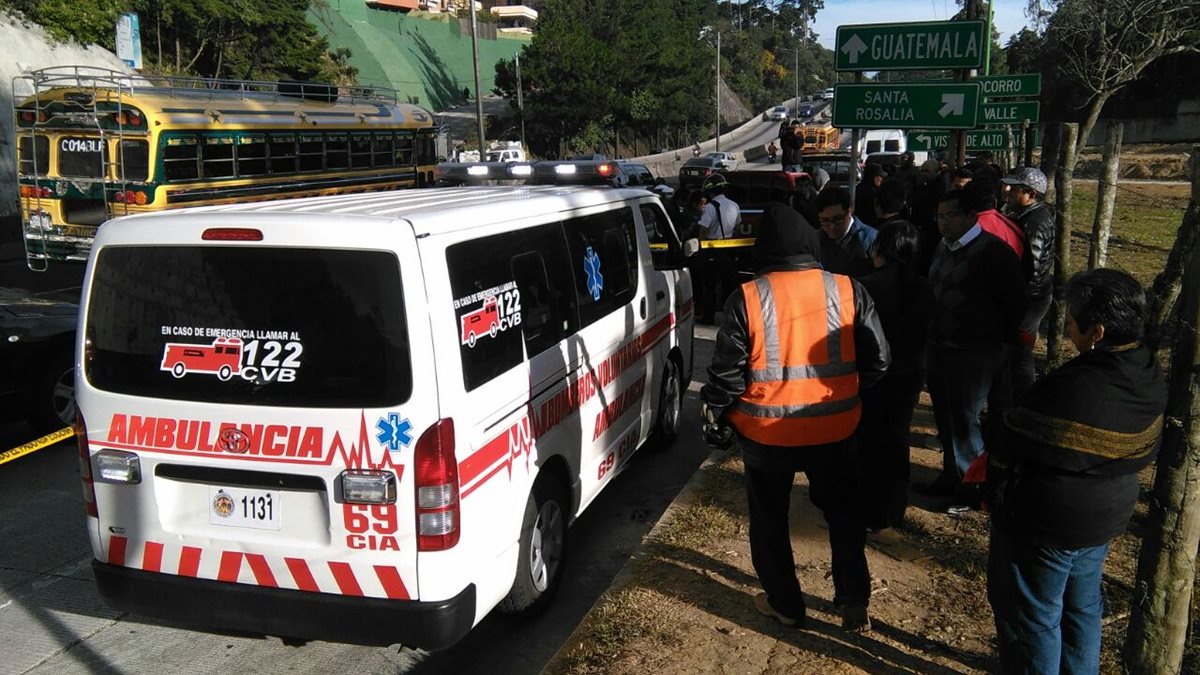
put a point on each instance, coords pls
(979, 139)
(952, 105)
(129, 40)
(926, 45)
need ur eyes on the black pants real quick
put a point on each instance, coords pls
(832, 478)
(1023, 375)
(883, 447)
(715, 276)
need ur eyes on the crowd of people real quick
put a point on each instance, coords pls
(934, 277)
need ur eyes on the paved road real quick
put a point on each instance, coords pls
(54, 623)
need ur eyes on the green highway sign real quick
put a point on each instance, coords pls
(990, 139)
(926, 45)
(1000, 86)
(904, 106)
(1009, 112)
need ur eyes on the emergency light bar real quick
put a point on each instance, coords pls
(544, 172)
(481, 173)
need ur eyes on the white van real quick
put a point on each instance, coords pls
(369, 418)
(505, 153)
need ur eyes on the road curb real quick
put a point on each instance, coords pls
(688, 496)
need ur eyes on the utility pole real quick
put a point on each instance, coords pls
(718, 126)
(475, 67)
(520, 102)
(796, 101)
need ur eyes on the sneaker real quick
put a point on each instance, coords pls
(855, 619)
(764, 607)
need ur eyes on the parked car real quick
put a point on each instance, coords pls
(695, 170)
(836, 164)
(640, 175)
(779, 112)
(727, 159)
(37, 359)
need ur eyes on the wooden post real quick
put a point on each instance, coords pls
(1029, 133)
(1051, 144)
(1169, 282)
(1062, 242)
(1162, 593)
(1106, 196)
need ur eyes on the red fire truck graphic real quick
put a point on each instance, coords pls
(486, 319)
(222, 358)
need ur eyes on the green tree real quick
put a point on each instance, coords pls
(84, 21)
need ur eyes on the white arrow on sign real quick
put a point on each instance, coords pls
(853, 47)
(926, 140)
(952, 104)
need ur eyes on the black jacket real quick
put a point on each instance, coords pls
(1063, 463)
(1037, 220)
(727, 371)
(904, 302)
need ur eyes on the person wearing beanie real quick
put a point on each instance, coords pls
(794, 348)
(864, 194)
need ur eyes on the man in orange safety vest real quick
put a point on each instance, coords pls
(796, 344)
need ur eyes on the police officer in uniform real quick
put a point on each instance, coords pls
(720, 219)
(795, 345)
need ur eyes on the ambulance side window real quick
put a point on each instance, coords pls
(512, 296)
(605, 259)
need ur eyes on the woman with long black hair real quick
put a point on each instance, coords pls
(904, 302)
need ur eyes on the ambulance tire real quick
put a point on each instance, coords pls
(542, 551)
(670, 405)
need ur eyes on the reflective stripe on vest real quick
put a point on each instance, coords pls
(803, 379)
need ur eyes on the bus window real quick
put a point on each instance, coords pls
(34, 153)
(381, 149)
(181, 160)
(360, 151)
(135, 160)
(218, 157)
(82, 157)
(252, 155)
(282, 149)
(312, 151)
(404, 148)
(336, 151)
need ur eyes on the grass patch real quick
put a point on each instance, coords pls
(629, 615)
(1145, 221)
(697, 526)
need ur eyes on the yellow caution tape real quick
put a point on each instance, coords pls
(727, 243)
(33, 446)
(713, 243)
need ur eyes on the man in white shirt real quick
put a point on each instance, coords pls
(722, 215)
(716, 275)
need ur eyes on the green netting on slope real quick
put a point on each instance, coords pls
(428, 61)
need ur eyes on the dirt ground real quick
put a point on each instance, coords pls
(1140, 162)
(684, 603)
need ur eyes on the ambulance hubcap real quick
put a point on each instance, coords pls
(545, 553)
(671, 396)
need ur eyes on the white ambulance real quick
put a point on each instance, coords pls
(370, 418)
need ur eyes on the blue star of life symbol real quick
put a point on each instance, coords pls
(394, 432)
(595, 280)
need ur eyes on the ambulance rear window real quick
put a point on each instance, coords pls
(259, 326)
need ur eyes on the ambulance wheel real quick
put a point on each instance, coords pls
(670, 406)
(542, 547)
(224, 373)
(471, 340)
(178, 370)
(492, 330)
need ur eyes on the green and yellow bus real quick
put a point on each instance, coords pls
(93, 144)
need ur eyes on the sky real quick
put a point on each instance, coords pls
(1010, 15)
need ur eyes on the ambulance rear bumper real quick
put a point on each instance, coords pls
(224, 606)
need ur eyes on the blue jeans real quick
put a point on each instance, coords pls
(961, 382)
(1047, 605)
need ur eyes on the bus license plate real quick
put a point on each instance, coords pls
(243, 507)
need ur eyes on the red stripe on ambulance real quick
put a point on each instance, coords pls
(343, 574)
(497, 454)
(301, 574)
(152, 557)
(392, 584)
(231, 566)
(116, 550)
(261, 570)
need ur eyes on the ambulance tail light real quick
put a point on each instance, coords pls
(85, 466)
(436, 481)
